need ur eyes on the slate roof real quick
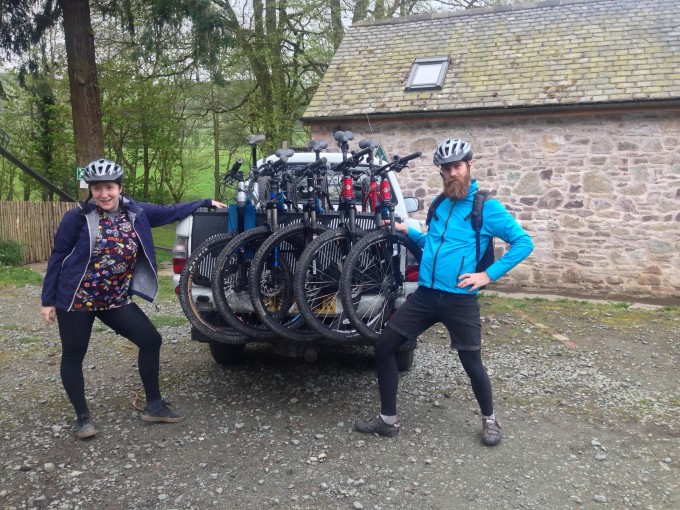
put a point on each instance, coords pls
(548, 55)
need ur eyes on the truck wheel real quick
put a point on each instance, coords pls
(226, 353)
(404, 360)
(310, 354)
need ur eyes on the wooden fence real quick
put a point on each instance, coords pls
(33, 224)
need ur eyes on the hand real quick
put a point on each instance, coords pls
(473, 280)
(49, 314)
(399, 227)
(219, 205)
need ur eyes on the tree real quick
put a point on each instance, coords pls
(262, 61)
(24, 22)
(83, 84)
(36, 116)
(288, 46)
(48, 143)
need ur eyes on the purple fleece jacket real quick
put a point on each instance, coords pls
(75, 238)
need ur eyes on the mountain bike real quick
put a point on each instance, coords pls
(229, 278)
(271, 272)
(318, 270)
(195, 297)
(248, 194)
(378, 265)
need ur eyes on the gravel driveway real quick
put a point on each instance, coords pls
(587, 395)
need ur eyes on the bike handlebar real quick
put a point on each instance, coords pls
(233, 170)
(410, 157)
(397, 165)
(270, 167)
(356, 157)
(310, 167)
(353, 160)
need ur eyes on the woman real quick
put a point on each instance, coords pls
(103, 254)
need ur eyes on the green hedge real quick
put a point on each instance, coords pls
(11, 253)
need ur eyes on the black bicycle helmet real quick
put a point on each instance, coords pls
(452, 150)
(103, 170)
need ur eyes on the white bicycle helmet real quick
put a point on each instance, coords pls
(103, 170)
(452, 150)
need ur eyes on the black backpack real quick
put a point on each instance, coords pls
(476, 220)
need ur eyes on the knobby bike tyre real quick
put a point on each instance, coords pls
(199, 312)
(317, 285)
(369, 284)
(230, 283)
(271, 282)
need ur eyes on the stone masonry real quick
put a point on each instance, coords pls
(599, 193)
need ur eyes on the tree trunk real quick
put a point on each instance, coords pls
(147, 169)
(83, 83)
(216, 145)
(337, 30)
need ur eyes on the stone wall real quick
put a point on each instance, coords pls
(599, 194)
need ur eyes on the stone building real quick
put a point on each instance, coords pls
(573, 110)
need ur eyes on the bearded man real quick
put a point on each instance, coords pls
(447, 288)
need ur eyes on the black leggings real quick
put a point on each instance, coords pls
(75, 329)
(388, 375)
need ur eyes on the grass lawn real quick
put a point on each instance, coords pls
(165, 235)
(19, 276)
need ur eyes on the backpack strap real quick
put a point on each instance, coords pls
(477, 215)
(431, 212)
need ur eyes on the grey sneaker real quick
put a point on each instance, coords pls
(491, 432)
(377, 426)
(85, 428)
(163, 413)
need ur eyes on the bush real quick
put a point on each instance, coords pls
(11, 253)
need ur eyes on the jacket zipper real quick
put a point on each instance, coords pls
(460, 268)
(434, 261)
(89, 258)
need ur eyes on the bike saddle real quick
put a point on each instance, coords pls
(343, 136)
(253, 139)
(317, 145)
(368, 143)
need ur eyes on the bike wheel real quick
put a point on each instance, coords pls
(195, 296)
(270, 282)
(317, 285)
(230, 283)
(373, 279)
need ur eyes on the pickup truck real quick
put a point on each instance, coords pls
(204, 223)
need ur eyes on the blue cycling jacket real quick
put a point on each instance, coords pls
(74, 242)
(449, 246)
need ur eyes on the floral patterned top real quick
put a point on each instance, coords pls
(106, 284)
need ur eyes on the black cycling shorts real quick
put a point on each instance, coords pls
(425, 307)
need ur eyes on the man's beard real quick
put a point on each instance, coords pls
(457, 189)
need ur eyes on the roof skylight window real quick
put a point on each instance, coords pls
(427, 73)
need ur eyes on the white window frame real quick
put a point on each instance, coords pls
(443, 61)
